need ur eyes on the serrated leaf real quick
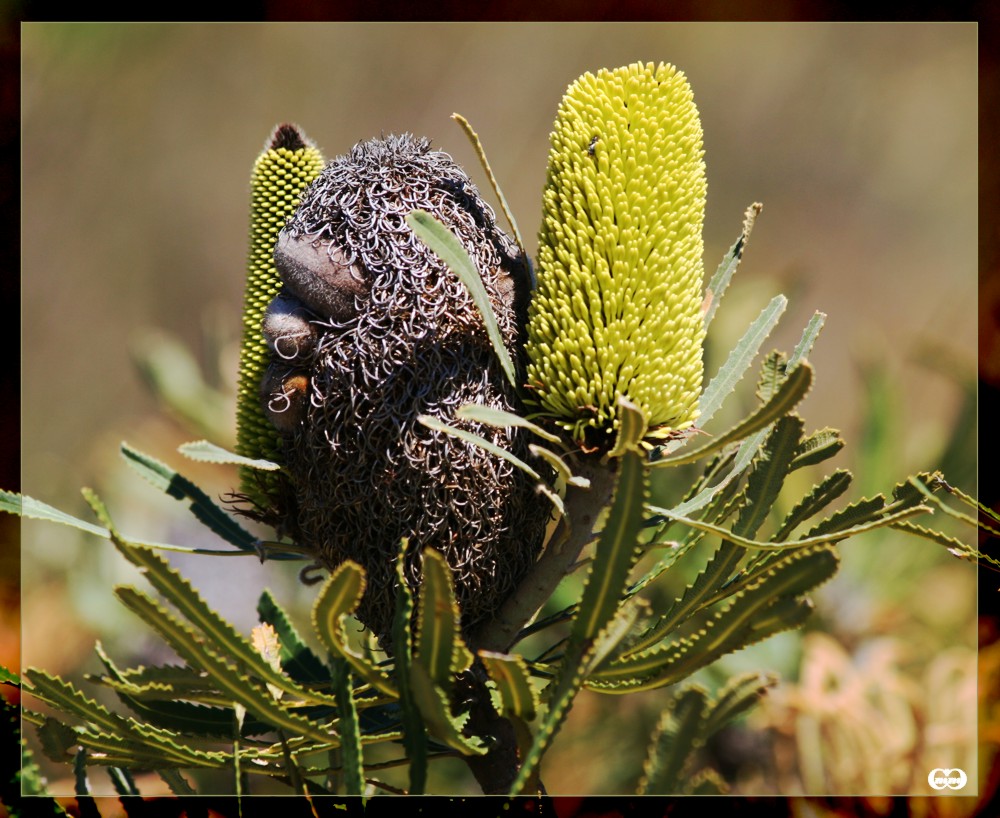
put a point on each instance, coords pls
(794, 388)
(340, 596)
(443, 242)
(414, 732)
(432, 702)
(768, 475)
(24, 506)
(737, 697)
(205, 452)
(439, 644)
(615, 554)
(818, 498)
(559, 466)
(217, 630)
(350, 729)
(150, 741)
(632, 427)
(759, 611)
(57, 739)
(180, 488)
(678, 736)
(239, 687)
(808, 339)
(9, 677)
(773, 372)
(816, 448)
(736, 365)
(297, 659)
(510, 674)
(827, 536)
(730, 261)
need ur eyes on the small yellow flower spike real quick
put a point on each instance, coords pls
(289, 163)
(617, 311)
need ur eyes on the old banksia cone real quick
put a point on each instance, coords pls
(372, 330)
(283, 170)
(617, 310)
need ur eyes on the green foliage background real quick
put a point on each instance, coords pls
(138, 140)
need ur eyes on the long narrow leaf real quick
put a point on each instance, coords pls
(736, 365)
(614, 555)
(788, 395)
(730, 261)
(180, 488)
(441, 240)
(339, 597)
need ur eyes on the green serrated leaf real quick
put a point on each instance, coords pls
(297, 658)
(218, 631)
(768, 475)
(792, 390)
(615, 554)
(240, 688)
(759, 611)
(443, 242)
(730, 261)
(439, 644)
(678, 736)
(432, 702)
(513, 680)
(737, 697)
(414, 731)
(9, 677)
(24, 506)
(133, 736)
(350, 730)
(818, 498)
(205, 452)
(736, 365)
(340, 596)
(773, 372)
(857, 513)
(57, 739)
(632, 427)
(808, 339)
(816, 448)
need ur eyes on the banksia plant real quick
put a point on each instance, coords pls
(283, 170)
(617, 312)
(390, 365)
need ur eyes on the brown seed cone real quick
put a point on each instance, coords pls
(364, 471)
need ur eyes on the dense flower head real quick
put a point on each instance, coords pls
(617, 310)
(281, 173)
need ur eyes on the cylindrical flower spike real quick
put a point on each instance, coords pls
(617, 310)
(281, 173)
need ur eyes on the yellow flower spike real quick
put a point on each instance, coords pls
(620, 256)
(280, 175)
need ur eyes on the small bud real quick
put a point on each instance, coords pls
(288, 332)
(284, 395)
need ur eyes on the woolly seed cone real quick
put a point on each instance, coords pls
(617, 310)
(281, 173)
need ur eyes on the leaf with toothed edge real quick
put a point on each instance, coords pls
(340, 596)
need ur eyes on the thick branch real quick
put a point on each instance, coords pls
(582, 509)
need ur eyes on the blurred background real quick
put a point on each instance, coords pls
(861, 142)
